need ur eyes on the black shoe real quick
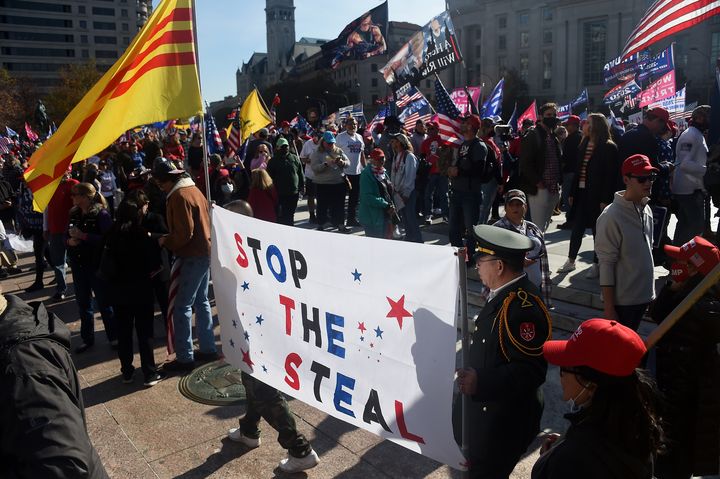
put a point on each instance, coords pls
(14, 270)
(313, 219)
(34, 287)
(565, 226)
(320, 228)
(83, 347)
(128, 377)
(206, 357)
(353, 223)
(154, 378)
(344, 229)
(58, 297)
(176, 366)
(3, 274)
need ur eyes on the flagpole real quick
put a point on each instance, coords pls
(465, 346)
(206, 163)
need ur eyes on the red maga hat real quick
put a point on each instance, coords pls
(638, 165)
(603, 345)
(377, 153)
(284, 124)
(473, 121)
(572, 120)
(699, 252)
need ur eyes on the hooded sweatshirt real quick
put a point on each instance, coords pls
(623, 244)
(42, 419)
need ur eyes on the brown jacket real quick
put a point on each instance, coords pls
(188, 220)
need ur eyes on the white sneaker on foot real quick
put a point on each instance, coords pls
(593, 272)
(567, 267)
(236, 435)
(296, 464)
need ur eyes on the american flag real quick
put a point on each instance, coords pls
(212, 136)
(234, 136)
(448, 115)
(5, 144)
(417, 110)
(302, 125)
(668, 17)
(379, 118)
(31, 135)
(408, 96)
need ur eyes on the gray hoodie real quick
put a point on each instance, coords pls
(623, 244)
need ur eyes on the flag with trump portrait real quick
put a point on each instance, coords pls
(362, 38)
(368, 338)
(154, 80)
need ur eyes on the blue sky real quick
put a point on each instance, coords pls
(229, 31)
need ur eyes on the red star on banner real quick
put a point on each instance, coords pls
(362, 328)
(246, 358)
(397, 310)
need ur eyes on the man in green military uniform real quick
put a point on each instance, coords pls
(506, 367)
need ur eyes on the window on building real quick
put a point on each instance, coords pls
(502, 42)
(34, 67)
(478, 50)
(547, 37)
(36, 6)
(83, 38)
(501, 64)
(548, 14)
(106, 54)
(373, 67)
(37, 52)
(125, 27)
(109, 12)
(126, 41)
(81, 9)
(106, 40)
(478, 33)
(374, 82)
(83, 24)
(33, 21)
(547, 69)
(594, 51)
(523, 19)
(86, 54)
(37, 37)
(124, 13)
(524, 66)
(502, 21)
(524, 39)
(104, 25)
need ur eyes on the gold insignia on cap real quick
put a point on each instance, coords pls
(480, 249)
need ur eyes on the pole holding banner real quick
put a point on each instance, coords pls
(710, 280)
(206, 163)
(465, 345)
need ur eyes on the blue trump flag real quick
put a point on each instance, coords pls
(493, 105)
(513, 119)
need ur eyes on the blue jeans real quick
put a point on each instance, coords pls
(410, 219)
(58, 256)
(193, 291)
(690, 215)
(86, 283)
(489, 192)
(436, 194)
(464, 214)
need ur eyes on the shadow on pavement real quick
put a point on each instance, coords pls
(228, 452)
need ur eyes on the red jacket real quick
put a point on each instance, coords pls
(264, 203)
(58, 210)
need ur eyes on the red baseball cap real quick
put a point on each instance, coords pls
(698, 251)
(679, 272)
(377, 153)
(473, 121)
(572, 120)
(603, 345)
(638, 165)
(661, 113)
(284, 124)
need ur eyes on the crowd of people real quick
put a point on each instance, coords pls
(133, 224)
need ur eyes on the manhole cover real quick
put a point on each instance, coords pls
(216, 384)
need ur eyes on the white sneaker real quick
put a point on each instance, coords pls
(296, 464)
(567, 267)
(236, 435)
(593, 272)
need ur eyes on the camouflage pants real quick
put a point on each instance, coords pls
(266, 402)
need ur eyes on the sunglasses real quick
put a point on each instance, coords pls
(643, 179)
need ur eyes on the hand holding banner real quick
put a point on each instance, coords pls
(367, 337)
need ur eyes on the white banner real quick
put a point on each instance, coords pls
(360, 328)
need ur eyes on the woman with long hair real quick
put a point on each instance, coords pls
(89, 223)
(263, 196)
(135, 259)
(402, 175)
(596, 175)
(615, 431)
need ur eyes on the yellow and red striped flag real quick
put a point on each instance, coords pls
(156, 79)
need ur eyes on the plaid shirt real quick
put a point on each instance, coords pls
(534, 231)
(551, 175)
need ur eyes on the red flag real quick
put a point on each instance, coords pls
(529, 114)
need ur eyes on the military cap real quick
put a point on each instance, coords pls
(501, 243)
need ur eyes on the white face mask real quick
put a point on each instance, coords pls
(227, 188)
(572, 406)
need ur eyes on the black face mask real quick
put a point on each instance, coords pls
(551, 123)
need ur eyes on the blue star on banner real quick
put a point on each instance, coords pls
(356, 275)
(264, 368)
(378, 332)
(247, 336)
(362, 338)
(234, 324)
(245, 286)
(259, 319)
(232, 343)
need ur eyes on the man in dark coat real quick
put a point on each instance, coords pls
(42, 420)
(507, 368)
